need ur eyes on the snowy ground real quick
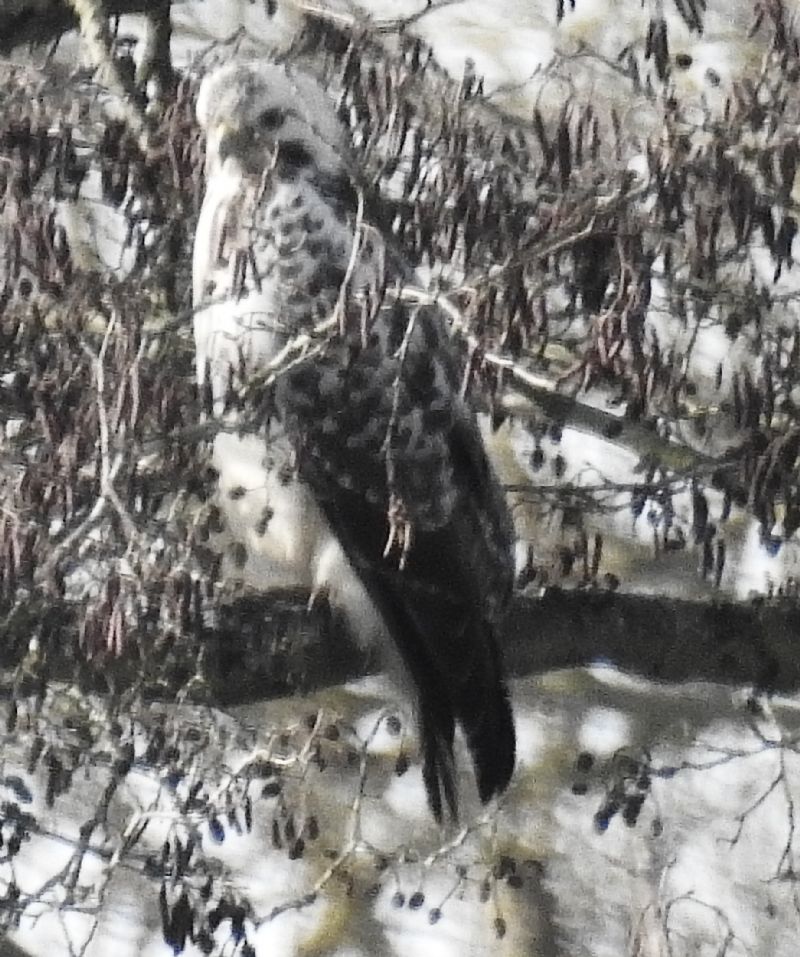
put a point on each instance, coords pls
(709, 857)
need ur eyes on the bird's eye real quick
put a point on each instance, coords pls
(271, 119)
(295, 155)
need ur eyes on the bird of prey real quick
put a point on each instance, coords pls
(367, 479)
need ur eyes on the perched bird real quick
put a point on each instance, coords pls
(366, 479)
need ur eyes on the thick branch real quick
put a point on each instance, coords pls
(660, 638)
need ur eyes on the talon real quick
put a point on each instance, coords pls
(390, 541)
(319, 598)
(400, 530)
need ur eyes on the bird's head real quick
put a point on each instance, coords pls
(257, 113)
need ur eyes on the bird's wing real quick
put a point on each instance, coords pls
(396, 462)
(385, 449)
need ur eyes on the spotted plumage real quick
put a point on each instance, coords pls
(368, 480)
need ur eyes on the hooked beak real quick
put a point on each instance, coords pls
(234, 141)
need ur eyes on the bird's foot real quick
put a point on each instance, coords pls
(319, 600)
(400, 530)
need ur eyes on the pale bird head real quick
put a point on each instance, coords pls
(254, 113)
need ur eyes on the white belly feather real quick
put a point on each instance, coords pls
(295, 547)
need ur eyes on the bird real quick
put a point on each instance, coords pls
(363, 475)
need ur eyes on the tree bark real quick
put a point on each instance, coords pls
(662, 639)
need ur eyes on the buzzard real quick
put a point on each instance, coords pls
(366, 478)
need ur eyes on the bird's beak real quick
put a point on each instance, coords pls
(232, 140)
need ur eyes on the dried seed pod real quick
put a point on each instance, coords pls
(719, 562)
(163, 908)
(564, 152)
(541, 134)
(708, 554)
(699, 513)
(11, 717)
(55, 778)
(179, 928)
(297, 849)
(124, 763)
(657, 47)
(788, 157)
(632, 809)
(597, 555)
(216, 830)
(737, 402)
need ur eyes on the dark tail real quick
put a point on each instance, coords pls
(436, 730)
(484, 710)
(435, 709)
(450, 653)
(468, 687)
